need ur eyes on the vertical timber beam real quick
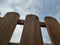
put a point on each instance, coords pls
(31, 32)
(7, 25)
(53, 28)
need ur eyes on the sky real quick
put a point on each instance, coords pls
(41, 8)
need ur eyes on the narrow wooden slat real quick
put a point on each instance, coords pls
(31, 32)
(13, 44)
(7, 25)
(53, 28)
(42, 24)
(21, 22)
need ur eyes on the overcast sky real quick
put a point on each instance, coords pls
(41, 8)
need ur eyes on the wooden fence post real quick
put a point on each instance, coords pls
(7, 25)
(31, 32)
(53, 28)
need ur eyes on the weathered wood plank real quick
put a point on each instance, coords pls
(53, 28)
(21, 22)
(31, 32)
(7, 25)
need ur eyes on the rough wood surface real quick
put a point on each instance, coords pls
(7, 25)
(31, 32)
(53, 29)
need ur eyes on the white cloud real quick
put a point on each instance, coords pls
(4, 9)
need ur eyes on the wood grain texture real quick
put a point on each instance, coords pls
(31, 32)
(7, 25)
(53, 29)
